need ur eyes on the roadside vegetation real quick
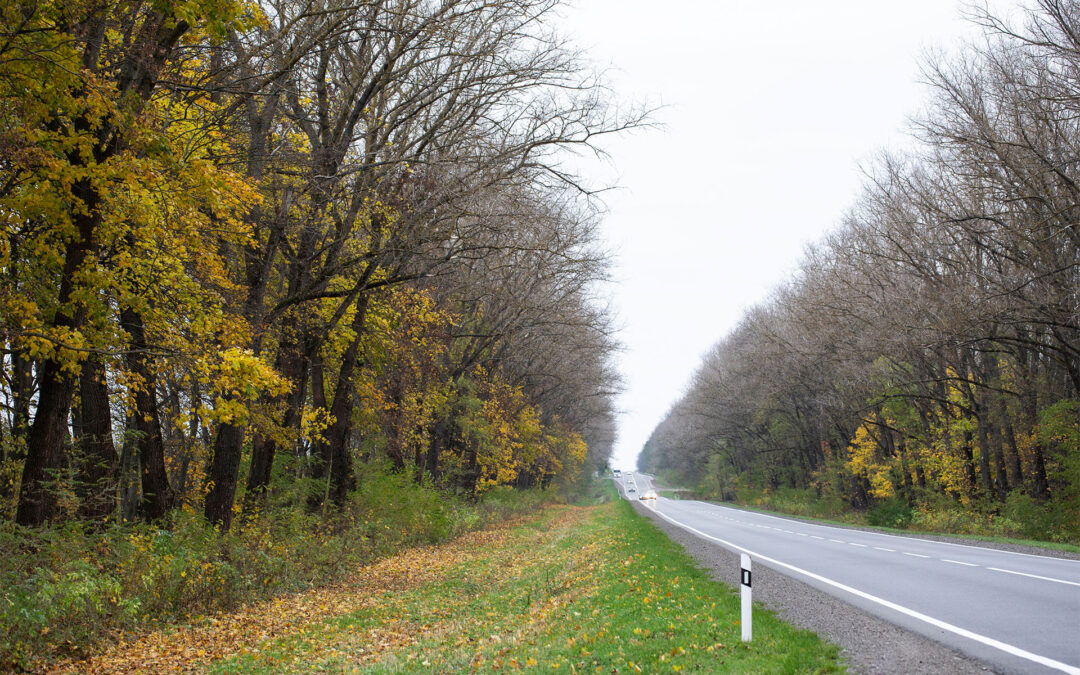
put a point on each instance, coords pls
(285, 287)
(571, 589)
(921, 369)
(66, 590)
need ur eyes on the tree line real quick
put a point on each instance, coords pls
(927, 351)
(246, 245)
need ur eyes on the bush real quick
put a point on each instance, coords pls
(68, 607)
(891, 513)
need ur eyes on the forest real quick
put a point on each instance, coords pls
(254, 254)
(246, 246)
(921, 366)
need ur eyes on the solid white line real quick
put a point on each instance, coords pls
(963, 632)
(1034, 576)
(882, 548)
(957, 562)
(915, 555)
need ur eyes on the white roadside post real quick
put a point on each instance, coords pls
(747, 601)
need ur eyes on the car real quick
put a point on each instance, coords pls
(651, 494)
(631, 489)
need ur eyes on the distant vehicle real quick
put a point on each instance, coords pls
(651, 494)
(631, 489)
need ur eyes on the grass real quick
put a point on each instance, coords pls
(66, 590)
(573, 589)
(594, 589)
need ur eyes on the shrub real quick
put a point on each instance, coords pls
(890, 513)
(66, 607)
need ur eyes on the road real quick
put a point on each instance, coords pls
(1014, 611)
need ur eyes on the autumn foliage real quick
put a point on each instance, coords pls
(229, 252)
(251, 252)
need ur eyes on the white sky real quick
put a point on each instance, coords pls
(771, 106)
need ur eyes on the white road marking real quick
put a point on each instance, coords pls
(851, 543)
(963, 632)
(1034, 576)
(915, 555)
(896, 536)
(837, 541)
(802, 534)
(882, 548)
(957, 562)
(814, 536)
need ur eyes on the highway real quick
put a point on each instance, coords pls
(1015, 612)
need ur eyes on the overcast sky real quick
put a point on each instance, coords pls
(770, 107)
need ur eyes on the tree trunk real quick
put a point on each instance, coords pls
(969, 462)
(157, 494)
(224, 472)
(45, 446)
(439, 435)
(294, 366)
(337, 436)
(99, 462)
(982, 432)
(1041, 487)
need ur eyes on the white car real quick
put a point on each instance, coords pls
(651, 494)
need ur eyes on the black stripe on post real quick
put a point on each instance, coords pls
(746, 578)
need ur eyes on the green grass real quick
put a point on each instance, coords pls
(596, 589)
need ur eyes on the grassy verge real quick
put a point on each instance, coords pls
(66, 590)
(574, 589)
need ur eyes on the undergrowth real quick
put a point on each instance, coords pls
(65, 588)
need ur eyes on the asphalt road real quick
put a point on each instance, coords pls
(1016, 612)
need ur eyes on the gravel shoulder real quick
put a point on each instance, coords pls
(869, 644)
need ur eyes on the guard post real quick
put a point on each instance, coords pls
(747, 600)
